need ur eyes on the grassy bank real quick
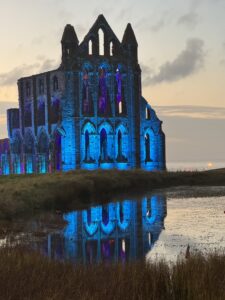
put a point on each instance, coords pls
(28, 193)
(27, 275)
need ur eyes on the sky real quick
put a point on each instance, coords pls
(181, 53)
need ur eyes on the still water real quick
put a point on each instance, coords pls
(154, 226)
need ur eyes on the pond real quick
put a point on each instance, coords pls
(158, 225)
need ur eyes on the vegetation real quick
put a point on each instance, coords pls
(21, 194)
(28, 275)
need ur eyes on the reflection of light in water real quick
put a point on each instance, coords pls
(210, 165)
(123, 245)
(149, 238)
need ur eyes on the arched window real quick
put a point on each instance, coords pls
(55, 110)
(119, 141)
(111, 49)
(119, 91)
(41, 86)
(85, 92)
(28, 89)
(147, 113)
(87, 146)
(147, 148)
(101, 41)
(103, 145)
(55, 84)
(41, 112)
(102, 101)
(90, 47)
(27, 114)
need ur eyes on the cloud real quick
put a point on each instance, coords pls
(193, 112)
(10, 78)
(143, 24)
(188, 62)
(189, 20)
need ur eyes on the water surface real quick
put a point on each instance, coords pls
(154, 226)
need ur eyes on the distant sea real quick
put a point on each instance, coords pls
(195, 166)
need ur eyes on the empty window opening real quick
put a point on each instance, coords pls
(90, 47)
(120, 107)
(101, 41)
(111, 49)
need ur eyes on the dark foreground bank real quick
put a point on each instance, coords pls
(28, 275)
(26, 194)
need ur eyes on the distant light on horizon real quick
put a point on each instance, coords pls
(210, 164)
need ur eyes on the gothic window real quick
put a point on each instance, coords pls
(27, 114)
(87, 107)
(147, 148)
(41, 112)
(55, 84)
(119, 156)
(101, 41)
(119, 92)
(41, 86)
(87, 146)
(103, 145)
(55, 110)
(111, 49)
(147, 113)
(102, 101)
(90, 47)
(28, 89)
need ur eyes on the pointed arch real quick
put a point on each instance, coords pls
(101, 41)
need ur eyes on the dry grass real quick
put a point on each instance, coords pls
(26, 275)
(23, 194)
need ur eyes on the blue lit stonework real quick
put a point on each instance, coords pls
(87, 114)
(118, 231)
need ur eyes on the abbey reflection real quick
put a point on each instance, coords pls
(118, 231)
